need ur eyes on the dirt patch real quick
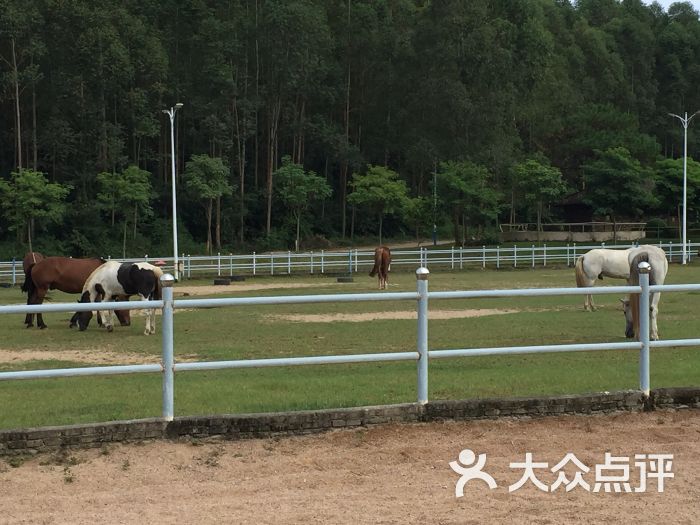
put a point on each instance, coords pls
(372, 316)
(386, 474)
(180, 291)
(94, 356)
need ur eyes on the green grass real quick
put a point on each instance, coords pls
(253, 332)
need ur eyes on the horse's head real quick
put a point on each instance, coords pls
(629, 319)
(84, 317)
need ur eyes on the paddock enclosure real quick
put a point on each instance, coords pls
(258, 329)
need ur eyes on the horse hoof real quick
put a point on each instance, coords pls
(43, 327)
(110, 328)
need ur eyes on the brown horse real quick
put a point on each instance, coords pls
(61, 273)
(382, 265)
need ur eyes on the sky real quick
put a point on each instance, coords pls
(666, 3)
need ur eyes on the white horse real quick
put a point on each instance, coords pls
(114, 279)
(603, 262)
(656, 257)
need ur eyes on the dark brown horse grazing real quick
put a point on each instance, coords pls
(61, 273)
(382, 265)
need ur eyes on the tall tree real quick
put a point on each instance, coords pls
(207, 179)
(298, 189)
(380, 191)
(27, 197)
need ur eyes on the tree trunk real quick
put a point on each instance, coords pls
(124, 241)
(15, 79)
(218, 223)
(274, 116)
(296, 242)
(35, 147)
(210, 207)
(29, 235)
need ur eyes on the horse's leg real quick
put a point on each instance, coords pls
(653, 314)
(150, 322)
(29, 318)
(109, 321)
(39, 299)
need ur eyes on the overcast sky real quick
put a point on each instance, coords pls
(666, 3)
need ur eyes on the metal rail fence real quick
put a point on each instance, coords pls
(352, 261)
(421, 355)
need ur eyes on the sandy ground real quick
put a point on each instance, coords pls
(385, 474)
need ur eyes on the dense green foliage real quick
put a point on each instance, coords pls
(414, 87)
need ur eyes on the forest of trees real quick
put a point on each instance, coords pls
(306, 120)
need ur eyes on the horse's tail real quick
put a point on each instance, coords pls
(158, 290)
(634, 280)
(377, 263)
(28, 285)
(580, 275)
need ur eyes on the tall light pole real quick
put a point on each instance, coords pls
(685, 121)
(171, 113)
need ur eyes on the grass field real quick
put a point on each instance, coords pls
(265, 332)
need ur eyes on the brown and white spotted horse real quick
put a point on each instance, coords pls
(382, 265)
(57, 273)
(114, 279)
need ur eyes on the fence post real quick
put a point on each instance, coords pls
(452, 257)
(254, 268)
(230, 270)
(356, 264)
(544, 255)
(498, 257)
(515, 256)
(670, 251)
(311, 261)
(218, 264)
(483, 256)
(272, 263)
(422, 285)
(166, 282)
(322, 262)
(644, 269)
(349, 262)
(289, 262)
(533, 255)
(14, 271)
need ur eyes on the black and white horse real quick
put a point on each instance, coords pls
(114, 279)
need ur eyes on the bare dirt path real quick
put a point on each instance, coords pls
(384, 474)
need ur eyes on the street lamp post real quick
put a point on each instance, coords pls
(685, 121)
(171, 113)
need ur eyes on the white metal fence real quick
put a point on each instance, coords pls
(353, 261)
(421, 355)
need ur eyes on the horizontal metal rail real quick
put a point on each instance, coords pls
(510, 350)
(297, 361)
(355, 260)
(82, 371)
